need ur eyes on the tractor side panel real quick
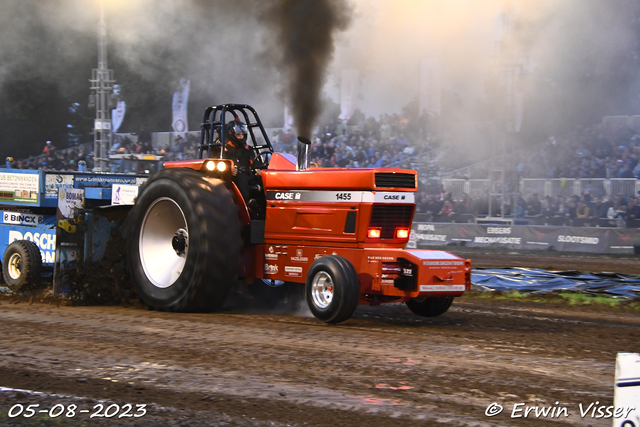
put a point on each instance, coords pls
(336, 179)
(310, 222)
(398, 273)
(339, 218)
(319, 179)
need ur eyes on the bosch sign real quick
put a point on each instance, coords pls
(45, 241)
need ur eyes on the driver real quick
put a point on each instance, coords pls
(244, 160)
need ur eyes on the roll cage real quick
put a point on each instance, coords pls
(213, 135)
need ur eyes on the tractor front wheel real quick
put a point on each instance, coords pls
(332, 289)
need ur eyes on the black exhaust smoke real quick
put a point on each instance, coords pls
(302, 48)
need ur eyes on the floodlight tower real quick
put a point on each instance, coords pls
(509, 63)
(102, 88)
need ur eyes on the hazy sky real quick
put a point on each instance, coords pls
(582, 52)
(565, 40)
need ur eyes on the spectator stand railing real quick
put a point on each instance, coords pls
(475, 188)
(456, 187)
(561, 187)
(486, 164)
(598, 188)
(416, 160)
(624, 186)
(556, 187)
(531, 186)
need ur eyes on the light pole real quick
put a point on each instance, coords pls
(102, 88)
(509, 61)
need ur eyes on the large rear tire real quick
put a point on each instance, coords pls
(183, 242)
(22, 266)
(430, 307)
(332, 289)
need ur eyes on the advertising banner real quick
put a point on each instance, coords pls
(117, 115)
(42, 235)
(21, 218)
(621, 240)
(582, 239)
(507, 236)
(124, 194)
(69, 232)
(541, 237)
(20, 187)
(53, 182)
(564, 239)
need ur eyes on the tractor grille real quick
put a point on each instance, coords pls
(389, 218)
(395, 180)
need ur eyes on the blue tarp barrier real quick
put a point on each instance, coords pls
(539, 281)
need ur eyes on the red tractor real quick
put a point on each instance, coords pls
(338, 232)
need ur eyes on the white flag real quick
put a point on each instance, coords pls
(349, 89)
(117, 116)
(180, 101)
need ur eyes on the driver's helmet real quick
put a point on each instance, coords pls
(237, 127)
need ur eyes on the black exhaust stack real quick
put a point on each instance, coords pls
(303, 153)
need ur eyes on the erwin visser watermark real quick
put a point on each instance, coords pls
(584, 410)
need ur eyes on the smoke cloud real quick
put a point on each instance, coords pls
(580, 60)
(575, 62)
(303, 45)
(576, 52)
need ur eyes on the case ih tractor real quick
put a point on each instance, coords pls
(339, 233)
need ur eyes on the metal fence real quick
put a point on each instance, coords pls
(623, 186)
(557, 187)
(456, 187)
(563, 187)
(476, 188)
(531, 186)
(597, 188)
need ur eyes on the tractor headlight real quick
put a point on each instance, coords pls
(402, 233)
(374, 232)
(217, 167)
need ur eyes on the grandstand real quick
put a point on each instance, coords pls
(591, 166)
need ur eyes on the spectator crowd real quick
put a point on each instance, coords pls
(390, 141)
(52, 159)
(575, 210)
(605, 150)
(601, 151)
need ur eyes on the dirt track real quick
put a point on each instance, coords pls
(384, 367)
